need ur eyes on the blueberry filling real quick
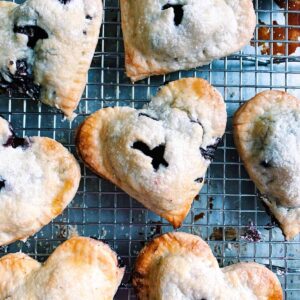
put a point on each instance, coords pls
(22, 81)
(209, 152)
(2, 183)
(64, 1)
(15, 142)
(178, 12)
(251, 234)
(199, 180)
(34, 34)
(265, 164)
(145, 115)
(157, 154)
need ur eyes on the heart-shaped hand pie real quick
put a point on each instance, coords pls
(81, 268)
(159, 154)
(162, 36)
(38, 179)
(181, 266)
(267, 136)
(46, 48)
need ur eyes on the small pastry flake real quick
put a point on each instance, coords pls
(267, 136)
(158, 155)
(162, 36)
(81, 268)
(46, 48)
(181, 266)
(38, 179)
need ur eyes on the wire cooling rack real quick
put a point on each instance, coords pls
(227, 213)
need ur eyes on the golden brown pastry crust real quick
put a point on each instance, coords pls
(81, 268)
(105, 139)
(209, 30)
(256, 281)
(266, 129)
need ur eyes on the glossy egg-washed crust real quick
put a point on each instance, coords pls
(80, 268)
(196, 42)
(194, 96)
(61, 61)
(260, 280)
(21, 221)
(270, 104)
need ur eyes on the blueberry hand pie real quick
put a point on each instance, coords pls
(267, 136)
(46, 48)
(81, 268)
(38, 179)
(182, 266)
(162, 36)
(159, 154)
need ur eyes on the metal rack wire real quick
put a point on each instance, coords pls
(227, 209)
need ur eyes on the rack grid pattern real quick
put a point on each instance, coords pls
(227, 209)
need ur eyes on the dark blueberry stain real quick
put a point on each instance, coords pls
(211, 203)
(121, 262)
(88, 17)
(219, 233)
(251, 234)
(199, 180)
(84, 32)
(178, 12)
(2, 184)
(34, 34)
(209, 152)
(148, 116)
(157, 154)
(64, 1)
(155, 230)
(15, 142)
(22, 81)
(265, 164)
(199, 217)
